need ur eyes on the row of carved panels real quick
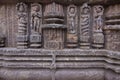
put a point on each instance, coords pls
(54, 12)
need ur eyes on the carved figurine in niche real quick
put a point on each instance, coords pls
(98, 17)
(85, 20)
(22, 18)
(71, 18)
(98, 36)
(36, 17)
(85, 26)
(36, 22)
(72, 21)
(22, 25)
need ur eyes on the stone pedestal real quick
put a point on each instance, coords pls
(85, 42)
(35, 40)
(72, 41)
(22, 41)
(98, 39)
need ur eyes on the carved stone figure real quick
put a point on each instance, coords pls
(72, 25)
(85, 26)
(22, 22)
(36, 23)
(98, 17)
(71, 18)
(36, 15)
(98, 37)
(22, 25)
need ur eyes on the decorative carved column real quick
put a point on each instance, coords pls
(53, 29)
(85, 26)
(22, 37)
(36, 24)
(72, 26)
(112, 28)
(98, 37)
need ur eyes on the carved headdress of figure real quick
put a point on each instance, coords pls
(36, 14)
(36, 7)
(85, 9)
(21, 10)
(72, 9)
(98, 10)
(21, 7)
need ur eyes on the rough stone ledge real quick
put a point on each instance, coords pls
(59, 59)
(66, 64)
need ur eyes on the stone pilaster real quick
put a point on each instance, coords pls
(22, 37)
(112, 28)
(53, 29)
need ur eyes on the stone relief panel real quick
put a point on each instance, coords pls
(36, 18)
(36, 24)
(54, 39)
(98, 12)
(98, 25)
(72, 26)
(113, 39)
(112, 27)
(53, 29)
(22, 25)
(85, 26)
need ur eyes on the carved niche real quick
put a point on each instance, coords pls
(53, 29)
(22, 37)
(72, 26)
(98, 37)
(36, 24)
(85, 26)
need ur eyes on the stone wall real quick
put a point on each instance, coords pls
(90, 29)
(8, 23)
(68, 64)
(72, 40)
(112, 28)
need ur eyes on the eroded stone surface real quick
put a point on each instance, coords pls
(58, 30)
